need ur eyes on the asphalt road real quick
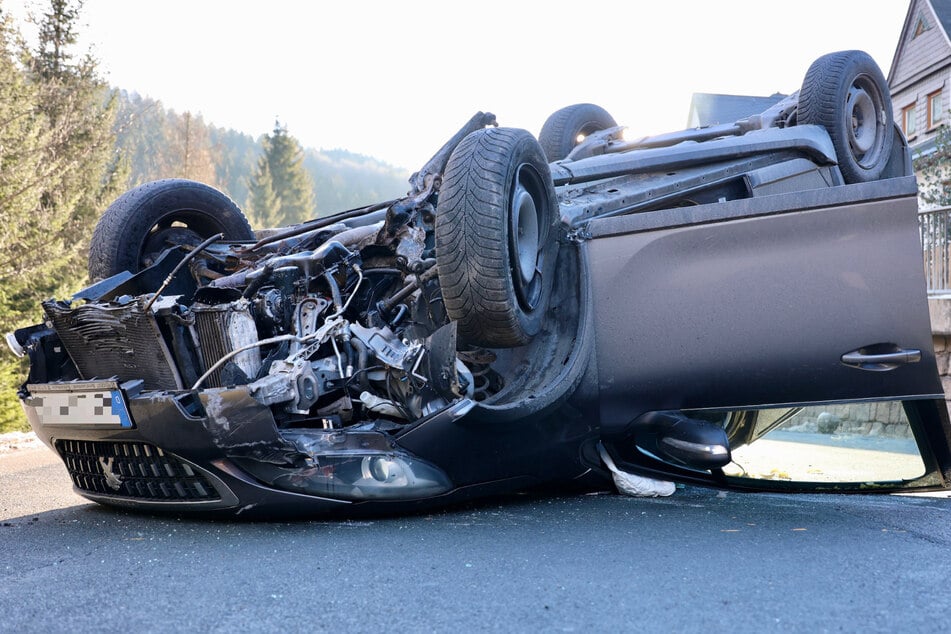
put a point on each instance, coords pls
(698, 561)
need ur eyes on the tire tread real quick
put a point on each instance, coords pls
(132, 215)
(471, 238)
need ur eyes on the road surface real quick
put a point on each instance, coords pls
(697, 561)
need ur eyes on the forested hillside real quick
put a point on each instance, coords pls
(161, 143)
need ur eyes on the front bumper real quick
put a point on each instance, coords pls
(217, 450)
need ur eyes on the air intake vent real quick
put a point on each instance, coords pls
(134, 470)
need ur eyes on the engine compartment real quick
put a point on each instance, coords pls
(331, 328)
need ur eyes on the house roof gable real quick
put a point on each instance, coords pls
(934, 17)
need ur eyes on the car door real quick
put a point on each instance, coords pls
(768, 305)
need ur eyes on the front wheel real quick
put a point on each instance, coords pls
(150, 218)
(495, 248)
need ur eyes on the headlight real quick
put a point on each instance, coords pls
(352, 465)
(382, 468)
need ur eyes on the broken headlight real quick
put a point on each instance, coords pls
(353, 465)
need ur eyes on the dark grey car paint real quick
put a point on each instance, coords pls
(753, 303)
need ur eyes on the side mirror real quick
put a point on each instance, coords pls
(675, 437)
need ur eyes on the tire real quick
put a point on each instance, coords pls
(846, 94)
(495, 247)
(138, 226)
(560, 133)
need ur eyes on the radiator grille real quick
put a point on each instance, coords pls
(109, 340)
(133, 470)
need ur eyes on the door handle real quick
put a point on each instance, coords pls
(875, 359)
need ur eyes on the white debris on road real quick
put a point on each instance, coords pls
(635, 485)
(16, 440)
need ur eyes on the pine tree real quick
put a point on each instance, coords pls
(25, 251)
(57, 35)
(263, 203)
(58, 170)
(281, 168)
(80, 110)
(28, 244)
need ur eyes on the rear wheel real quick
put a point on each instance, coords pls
(149, 219)
(846, 93)
(567, 127)
(495, 250)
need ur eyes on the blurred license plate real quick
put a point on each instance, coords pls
(79, 404)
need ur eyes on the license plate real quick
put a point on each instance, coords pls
(79, 404)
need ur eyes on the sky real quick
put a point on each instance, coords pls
(394, 80)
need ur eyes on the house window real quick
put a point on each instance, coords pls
(908, 121)
(921, 26)
(935, 109)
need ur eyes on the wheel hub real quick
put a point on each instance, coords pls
(164, 238)
(525, 225)
(863, 130)
(526, 236)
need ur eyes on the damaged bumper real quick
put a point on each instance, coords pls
(127, 447)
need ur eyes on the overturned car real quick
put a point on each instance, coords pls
(738, 306)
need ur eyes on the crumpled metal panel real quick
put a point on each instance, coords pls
(113, 340)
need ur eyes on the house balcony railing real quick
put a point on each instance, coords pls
(935, 227)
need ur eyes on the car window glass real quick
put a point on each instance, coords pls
(850, 442)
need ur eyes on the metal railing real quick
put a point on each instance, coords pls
(935, 227)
